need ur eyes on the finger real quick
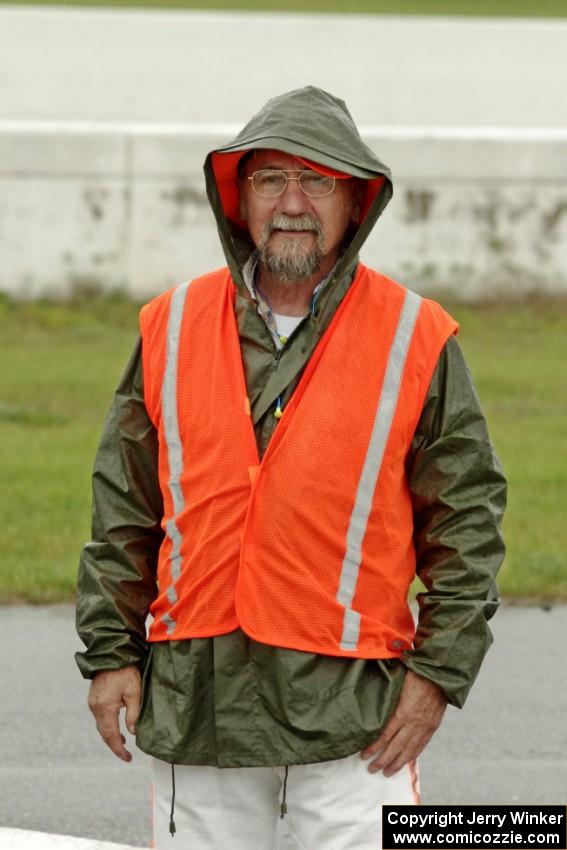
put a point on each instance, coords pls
(406, 747)
(374, 748)
(382, 742)
(109, 731)
(391, 760)
(401, 761)
(387, 757)
(406, 755)
(132, 703)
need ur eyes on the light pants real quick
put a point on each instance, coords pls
(333, 805)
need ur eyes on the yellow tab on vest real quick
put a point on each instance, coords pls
(247, 409)
(253, 472)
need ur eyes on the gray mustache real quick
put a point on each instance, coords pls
(299, 222)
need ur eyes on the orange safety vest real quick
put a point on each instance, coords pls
(312, 548)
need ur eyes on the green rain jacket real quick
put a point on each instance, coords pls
(228, 700)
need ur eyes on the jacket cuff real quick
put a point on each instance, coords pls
(125, 653)
(453, 672)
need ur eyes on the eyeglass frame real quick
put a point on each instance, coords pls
(286, 173)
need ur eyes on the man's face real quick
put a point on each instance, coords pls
(297, 236)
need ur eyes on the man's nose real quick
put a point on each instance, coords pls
(293, 201)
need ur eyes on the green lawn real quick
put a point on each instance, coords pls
(517, 357)
(535, 8)
(59, 367)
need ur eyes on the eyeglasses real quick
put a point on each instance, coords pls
(271, 182)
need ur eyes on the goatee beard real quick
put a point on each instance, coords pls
(292, 263)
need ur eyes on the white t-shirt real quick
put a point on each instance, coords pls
(287, 324)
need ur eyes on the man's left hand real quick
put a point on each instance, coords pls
(416, 717)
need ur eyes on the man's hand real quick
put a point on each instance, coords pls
(110, 691)
(416, 717)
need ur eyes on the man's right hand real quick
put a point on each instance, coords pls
(110, 692)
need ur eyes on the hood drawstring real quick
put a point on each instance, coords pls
(172, 828)
(283, 809)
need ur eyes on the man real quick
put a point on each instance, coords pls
(294, 437)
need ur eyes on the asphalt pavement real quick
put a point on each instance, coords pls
(508, 745)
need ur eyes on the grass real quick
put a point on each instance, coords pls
(492, 8)
(516, 354)
(61, 363)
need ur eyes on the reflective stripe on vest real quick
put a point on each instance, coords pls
(371, 469)
(173, 440)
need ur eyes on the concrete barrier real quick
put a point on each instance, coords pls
(25, 839)
(476, 211)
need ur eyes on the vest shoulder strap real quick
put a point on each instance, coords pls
(157, 317)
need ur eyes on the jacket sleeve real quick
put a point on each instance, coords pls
(458, 493)
(117, 569)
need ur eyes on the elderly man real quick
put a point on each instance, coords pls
(295, 437)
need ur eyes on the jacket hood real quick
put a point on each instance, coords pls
(311, 124)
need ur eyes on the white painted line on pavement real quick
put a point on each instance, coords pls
(341, 20)
(25, 839)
